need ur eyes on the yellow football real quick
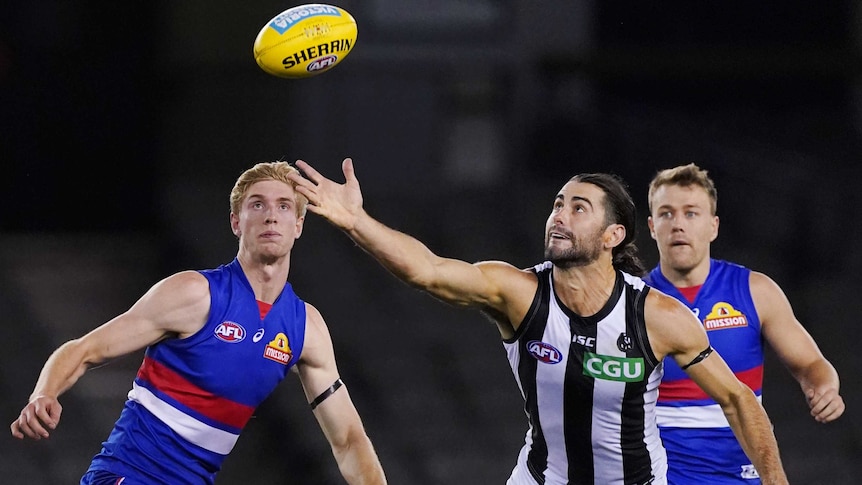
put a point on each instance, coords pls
(304, 41)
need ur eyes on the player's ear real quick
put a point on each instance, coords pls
(234, 225)
(651, 227)
(300, 224)
(614, 235)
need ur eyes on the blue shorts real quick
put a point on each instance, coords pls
(699, 456)
(99, 477)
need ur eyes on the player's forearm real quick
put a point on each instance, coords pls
(820, 375)
(404, 256)
(61, 371)
(754, 432)
(359, 464)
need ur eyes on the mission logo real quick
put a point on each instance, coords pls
(722, 316)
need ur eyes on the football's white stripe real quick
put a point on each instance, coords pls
(197, 432)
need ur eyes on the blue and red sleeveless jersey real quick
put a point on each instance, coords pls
(693, 427)
(192, 397)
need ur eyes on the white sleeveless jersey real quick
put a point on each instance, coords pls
(590, 386)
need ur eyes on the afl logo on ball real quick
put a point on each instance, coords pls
(230, 332)
(322, 63)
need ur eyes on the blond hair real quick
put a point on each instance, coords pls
(685, 176)
(260, 172)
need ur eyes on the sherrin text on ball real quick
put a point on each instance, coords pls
(304, 41)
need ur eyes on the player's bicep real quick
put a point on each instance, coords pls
(317, 369)
(785, 334)
(486, 284)
(714, 376)
(459, 282)
(673, 329)
(678, 333)
(176, 306)
(324, 390)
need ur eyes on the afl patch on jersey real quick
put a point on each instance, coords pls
(230, 332)
(543, 352)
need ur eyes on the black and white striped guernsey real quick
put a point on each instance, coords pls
(590, 386)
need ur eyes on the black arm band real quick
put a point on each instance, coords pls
(325, 394)
(699, 357)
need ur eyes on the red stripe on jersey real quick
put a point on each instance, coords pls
(264, 308)
(690, 292)
(687, 390)
(204, 402)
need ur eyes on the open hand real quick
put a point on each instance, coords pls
(340, 204)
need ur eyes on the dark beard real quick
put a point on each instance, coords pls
(580, 254)
(572, 257)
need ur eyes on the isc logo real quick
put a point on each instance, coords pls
(543, 352)
(585, 341)
(323, 63)
(230, 332)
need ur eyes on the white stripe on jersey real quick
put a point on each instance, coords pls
(197, 432)
(710, 416)
(550, 397)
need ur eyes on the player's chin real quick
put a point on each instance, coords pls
(273, 250)
(679, 252)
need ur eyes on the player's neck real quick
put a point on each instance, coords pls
(267, 278)
(585, 289)
(686, 277)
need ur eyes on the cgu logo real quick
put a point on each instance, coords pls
(230, 332)
(322, 63)
(611, 368)
(543, 352)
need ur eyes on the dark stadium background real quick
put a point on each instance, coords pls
(123, 126)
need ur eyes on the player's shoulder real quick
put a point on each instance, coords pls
(504, 271)
(661, 304)
(764, 289)
(723, 263)
(311, 312)
(187, 281)
(671, 325)
(758, 281)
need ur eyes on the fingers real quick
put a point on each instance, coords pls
(29, 426)
(826, 407)
(316, 177)
(828, 414)
(16, 430)
(309, 171)
(347, 168)
(36, 419)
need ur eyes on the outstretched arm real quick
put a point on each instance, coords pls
(451, 280)
(674, 330)
(797, 349)
(333, 407)
(177, 305)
